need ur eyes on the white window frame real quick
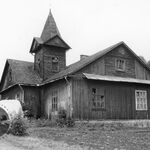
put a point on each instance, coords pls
(141, 99)
(120, 64)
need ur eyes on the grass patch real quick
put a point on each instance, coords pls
(88, 135)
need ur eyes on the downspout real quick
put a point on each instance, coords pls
(22, 91)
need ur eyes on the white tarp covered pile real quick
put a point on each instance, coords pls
(11, 107)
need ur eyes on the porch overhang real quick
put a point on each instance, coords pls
(115, 79)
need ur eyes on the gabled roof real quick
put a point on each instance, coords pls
(84, 62)
(35, 44)
(58, 42)
(38, 40)
(50, 29)
(23, 72)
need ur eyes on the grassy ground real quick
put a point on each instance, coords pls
(85, 136)
(113, 136)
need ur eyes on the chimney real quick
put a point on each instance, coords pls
(83, 57)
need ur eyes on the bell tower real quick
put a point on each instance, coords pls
(49, 50)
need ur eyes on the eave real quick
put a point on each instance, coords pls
(115, 79)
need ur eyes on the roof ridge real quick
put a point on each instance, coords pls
(19, 60)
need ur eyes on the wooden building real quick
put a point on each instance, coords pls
(112, 84)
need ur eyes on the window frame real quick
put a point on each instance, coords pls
(98, 100)
(54, 100)
(141, 101)
(54, 62)
(123, 66)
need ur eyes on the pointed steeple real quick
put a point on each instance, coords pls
(50, 29)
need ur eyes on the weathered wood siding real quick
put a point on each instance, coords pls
(38, 62)
(122, 53)
(10, 94)
(63, 89)
(48, 53)
(43, 60)
(106, 65)
(32, 98)
(141, 72)
(80, 100)
(119, 100)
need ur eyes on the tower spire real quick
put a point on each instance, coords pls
(50, 29)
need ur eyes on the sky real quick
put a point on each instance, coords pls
(88, 26)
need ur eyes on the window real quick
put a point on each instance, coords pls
(120, 64)
(55, 66)
(141, 99)
(98, 99)
(54, 100)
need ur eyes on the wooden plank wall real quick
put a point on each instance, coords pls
(122, 53)
(48, 53)
(10, 94)
(32, 98)
(141, 71)
(119, 102)
(80, 98)
(64, 96)
(106, 65)
(119, 98)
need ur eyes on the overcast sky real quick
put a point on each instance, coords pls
(86, 25)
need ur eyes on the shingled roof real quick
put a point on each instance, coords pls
(50, 29)
(23, 72)
(50, 36)
(84, 62)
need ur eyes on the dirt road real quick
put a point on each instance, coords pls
(4, 145)
(10, 142)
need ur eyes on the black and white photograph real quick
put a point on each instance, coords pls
(75, 75)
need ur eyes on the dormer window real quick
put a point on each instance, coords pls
(55, 64)
(120, 64)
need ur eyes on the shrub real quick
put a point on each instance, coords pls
(18, 126)
(60, 122)
(62, 114)
(27, 111)
(70, 122)
(63, 120)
